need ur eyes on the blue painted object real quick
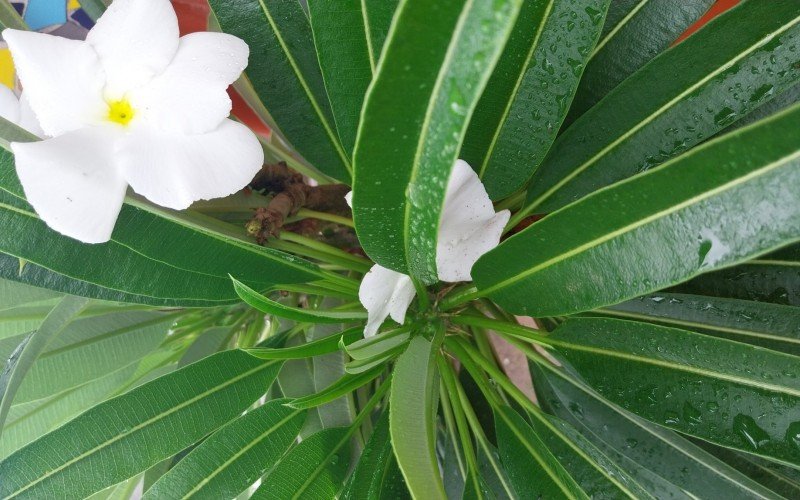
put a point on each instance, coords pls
(43, 13)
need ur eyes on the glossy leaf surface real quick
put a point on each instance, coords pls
(436, 62)
(732, 394)
(412, 415)
(530, 91)
(639, 30)
(666, 226)
(737, 62)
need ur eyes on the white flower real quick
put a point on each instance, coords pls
(18, 111)
(132, 105)
(469, 227)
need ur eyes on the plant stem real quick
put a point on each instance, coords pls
(450, 425)
(363, 264)
(502, 327)
(459, 297)
(305, 213)
(449, 379)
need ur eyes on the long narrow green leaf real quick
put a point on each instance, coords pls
(696, 384)
(412, 416)
(235, 456)
(268, 306)
(24, 357)
(773, 326)
(437, 60)
(28, 422)
(284, 72)
(315, 468)
(376, 475)
(760, 280)
(532, 469)
(10, 18)
(738, 61)
(94, 8)
(378, 16)
(719, 204)
(126, 435)
(344, 52)
(345, 385)
(676, 463)
(639, 31)
(90, 348)
(531, 89)
(324, 345)
(16, 294)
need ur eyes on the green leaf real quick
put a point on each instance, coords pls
(285, 74)
(126, 435)
(17, 294)
(676, 463)
(24, 357)
(781, 479)
(94, 8)
(635, 32)
(760, 280)
(10, 18)
(324, 345)
(412, 417)
(772, 326)
(378, 344)
(90, 348)
(345, 385)
(344, 52)
(531, 90)
(232, 458)
(689, 93)
(378, 16)
(731, 394)
(376, 475)
(436, 62)
(315, 468)
(29, 421)
(657, 229)
(268, 306)
(532, 469)
(190, 269)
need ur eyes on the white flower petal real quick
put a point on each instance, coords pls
(383, 293)
(174, 170)
(71, 182)
(349, 199)
(9, 105)
(27, 117)
(469, 226)
(63, 80)
(136, 40)
(190, 95)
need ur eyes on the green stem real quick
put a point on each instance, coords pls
(305, 213)
(502, 327)
(459, 297)
(363, 263)
(313, 253)
(450, 425)
(449, 379)
(513, 201)
(316, 290)
(457, 348)
(422, 295)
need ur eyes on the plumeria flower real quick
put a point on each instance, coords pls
(134, 104)
(469, 227)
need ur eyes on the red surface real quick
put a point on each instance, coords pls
(718, 8)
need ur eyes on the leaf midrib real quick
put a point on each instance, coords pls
(633, 130)
(312, 100)
(239, 453)
(704, 372)
(142, 425)
(517, 85)
(621, 24)
(646, 220)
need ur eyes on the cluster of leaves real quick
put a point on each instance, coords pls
(664, 276)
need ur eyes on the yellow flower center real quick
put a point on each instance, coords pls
(120, 111)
